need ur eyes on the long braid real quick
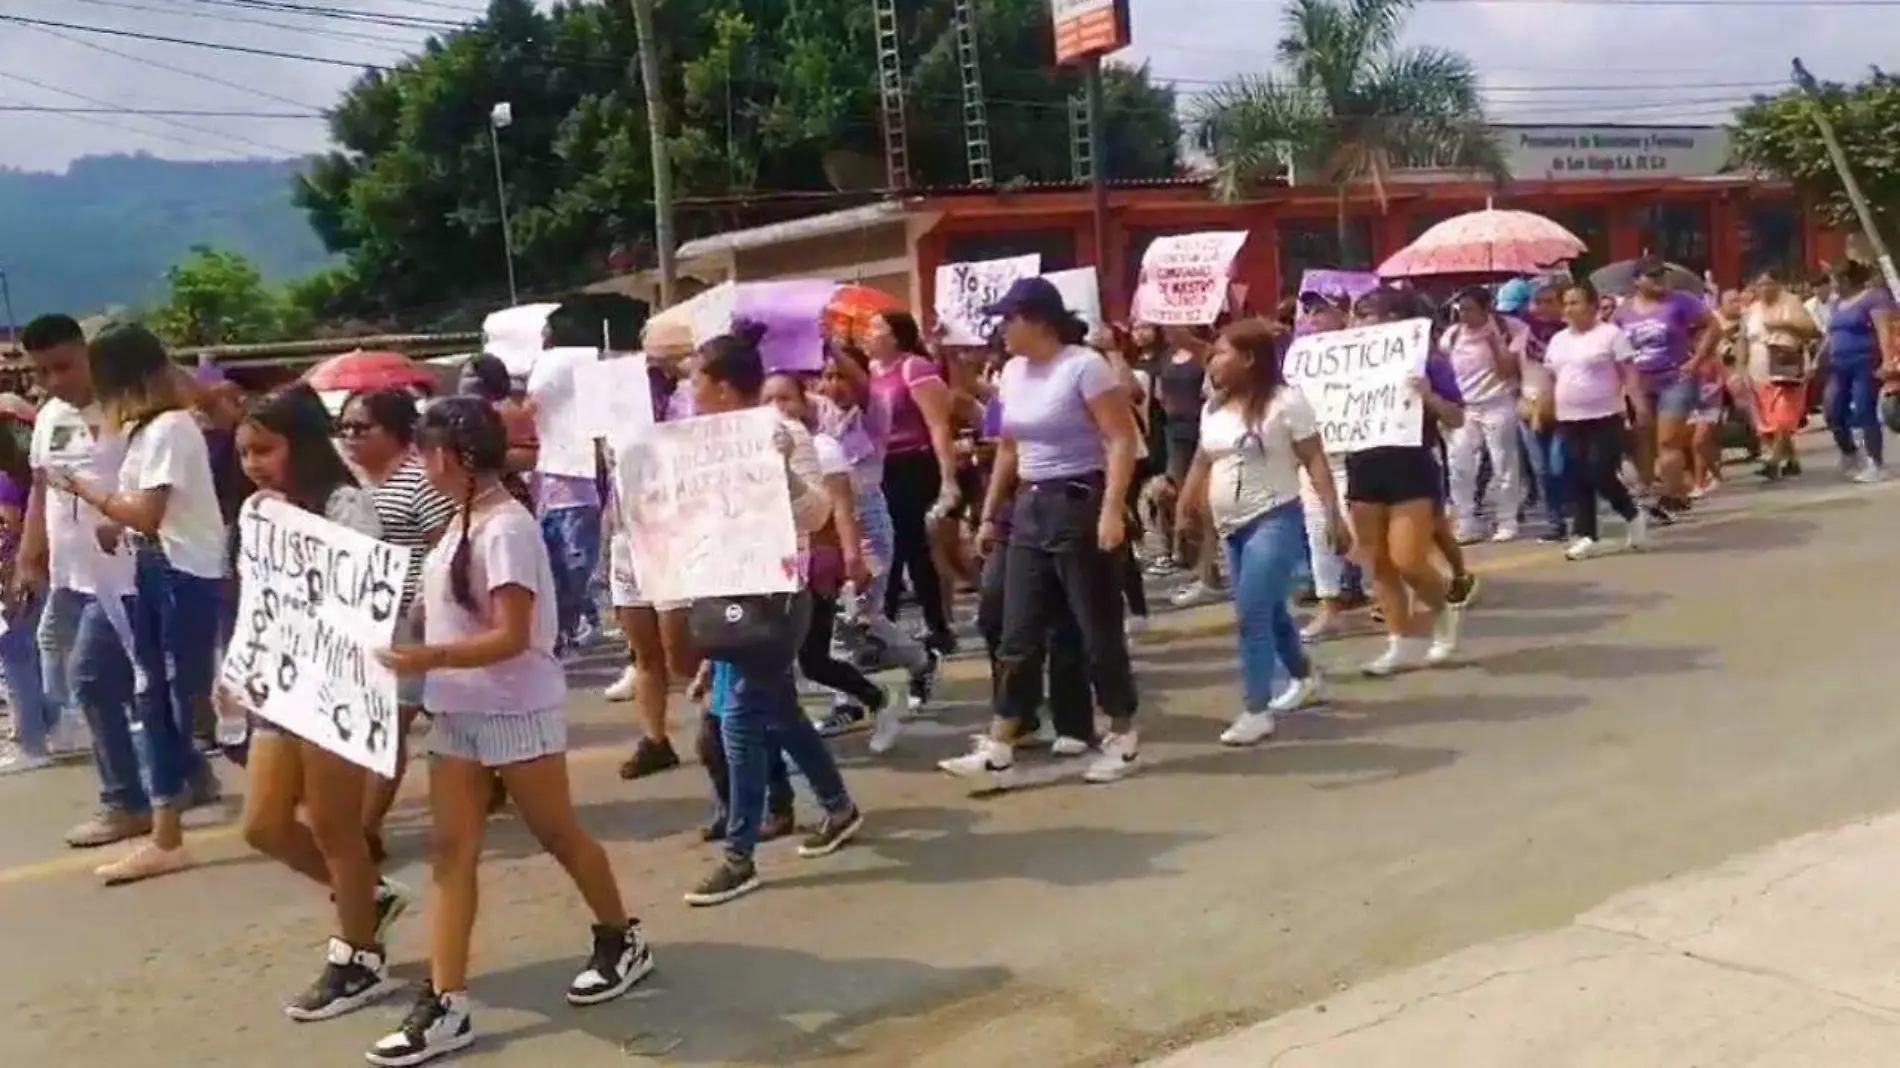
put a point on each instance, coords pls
(460, 583)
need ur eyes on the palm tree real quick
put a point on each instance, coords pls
(1349, 105)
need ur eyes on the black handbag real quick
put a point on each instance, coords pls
(748, 629)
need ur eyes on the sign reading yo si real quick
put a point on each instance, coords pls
(965, 289)
(315, 599)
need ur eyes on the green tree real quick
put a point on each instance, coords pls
(770, 96)
(217, 298)
(1349, 105)
(1777, 135)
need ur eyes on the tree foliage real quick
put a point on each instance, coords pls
(1778, 135)
(766, 96)
(1348, 105)
(220, 298)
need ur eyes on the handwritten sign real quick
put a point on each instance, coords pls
(1360, 384)
(560, 422)
(964, 289)
(707, 509)
(315, 599)
(1184, 279)
(615, 397)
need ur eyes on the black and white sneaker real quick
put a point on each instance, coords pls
(351, 979)
(841, 720)
(437, 1026)
(837, 829)
(924, 683)
(392, 900)
(734, 878)
(619, 960)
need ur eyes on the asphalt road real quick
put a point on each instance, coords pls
(1611, 723)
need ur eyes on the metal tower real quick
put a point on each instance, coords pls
(1081, 144)
(890, 88)
(976, 115)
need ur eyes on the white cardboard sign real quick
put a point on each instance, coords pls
(1360, 383)
(615, 398)
(560, 420)
(1184, 279)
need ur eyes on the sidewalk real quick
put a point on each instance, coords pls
(1788, 958)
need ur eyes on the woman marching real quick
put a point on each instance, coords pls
(284, 447)
(1594, 375)
(1257, 437)
(493, 683)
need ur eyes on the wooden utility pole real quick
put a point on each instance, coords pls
(663, 239)
(1811, 90)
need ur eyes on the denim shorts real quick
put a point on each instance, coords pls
(498, 739)
(1671, 393)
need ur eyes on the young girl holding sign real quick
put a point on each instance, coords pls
(496, 690)
(284, 447)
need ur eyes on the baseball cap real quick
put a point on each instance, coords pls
(1035, 297)
(1514, 296)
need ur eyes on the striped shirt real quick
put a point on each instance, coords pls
(413, 513)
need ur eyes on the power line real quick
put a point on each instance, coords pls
(159, 38)
(209, 79)
(340, 35)
(368, 18)
(191, 113)
(36, 83)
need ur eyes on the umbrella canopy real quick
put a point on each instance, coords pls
(365, 372)
(1619, 279)
(852, 307)
(1491, 241)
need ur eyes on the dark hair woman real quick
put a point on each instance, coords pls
(1257, 437)
(1062, 471)
(166, 505)
(1594, 381)
(1863, 338)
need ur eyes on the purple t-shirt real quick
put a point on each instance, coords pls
(1046, 413)
(1661, 336)
(896, 409)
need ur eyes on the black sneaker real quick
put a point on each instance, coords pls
(831, 835)
(1659, 516)
(715, 828)
(619, 960)
(734, 878)
(1461, 591)
(843, 719)
(924, 683)
(438, 1025)
(944, 643)
(392, 900)
(650, 758)
(352, 978)
(1791, 468)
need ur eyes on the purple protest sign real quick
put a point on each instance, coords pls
(793, 316)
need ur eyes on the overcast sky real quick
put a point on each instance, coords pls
(1556, 61)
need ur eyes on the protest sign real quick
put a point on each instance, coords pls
(707, 509)
(964, 289)
(1184, 279)
(616, 398)
(1081, 291)
(316, 599)
(567, 441)
(1360, 383)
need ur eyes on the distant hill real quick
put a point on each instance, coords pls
(103, 233)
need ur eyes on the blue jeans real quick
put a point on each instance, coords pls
(762, 719)
(33, 715)
(84, 662)
(1852, 402)
(174, 640)
(572, 536)
(1546, 459)
(1262, 556)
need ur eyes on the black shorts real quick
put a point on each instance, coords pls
(1394, 476)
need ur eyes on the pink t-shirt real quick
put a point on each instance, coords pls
(505, 549)
(1586, 371)
(891, 393)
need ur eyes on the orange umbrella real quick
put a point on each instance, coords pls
(849, 312)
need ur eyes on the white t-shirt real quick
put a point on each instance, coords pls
(68, 439)
(1587, 369)
(504, 549)
(1252, 470)
(170, 452)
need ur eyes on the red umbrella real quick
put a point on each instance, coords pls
(849, 312)
(366, 372)
(1485, 242)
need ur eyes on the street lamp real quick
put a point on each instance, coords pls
(499, 119)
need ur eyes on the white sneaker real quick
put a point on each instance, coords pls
(1068, 748)
(1850, 465)
(1444, 636)
(439, 1025)
(621, 689)
(1636, 536)
(1250, 728)
(987, 759)
(1194, 593)
(1401, 654)
(1505, 532)
(889, 728)
(1585, 548)
(1121, 753)
(1299, 694)
(1870, 473)
(19, 762)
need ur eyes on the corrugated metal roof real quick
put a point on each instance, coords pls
(1063, 186)
(828, 224)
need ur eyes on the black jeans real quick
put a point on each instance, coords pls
(1071, 702)
(818, 665)
(911, 485)
(1593, 463)
(1053, 558)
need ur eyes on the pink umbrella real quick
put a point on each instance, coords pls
(1491, 241)
(366, 372)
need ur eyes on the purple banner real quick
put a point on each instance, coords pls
(793, 316)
